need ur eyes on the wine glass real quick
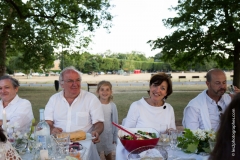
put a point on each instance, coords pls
(164, 136)
(174, 134)
(231, 89)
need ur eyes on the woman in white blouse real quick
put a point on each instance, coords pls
(151, 111)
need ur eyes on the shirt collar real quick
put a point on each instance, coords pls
(210, 100)
(14, 100)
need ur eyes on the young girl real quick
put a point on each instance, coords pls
(108, 138)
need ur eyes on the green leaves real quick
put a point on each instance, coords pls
(190, 141)
(204, 30)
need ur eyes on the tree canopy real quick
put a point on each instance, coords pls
(205, 30)
(31, 29)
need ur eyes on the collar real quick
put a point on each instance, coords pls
(14, 100)
(211, 101)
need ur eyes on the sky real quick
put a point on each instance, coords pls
(134, 23)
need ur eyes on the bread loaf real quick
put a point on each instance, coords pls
(74, 136)
(77, 136)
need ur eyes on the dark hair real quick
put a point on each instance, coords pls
(105, 83)
(160, 77)
(210, 72)
(3, 138)
(14, 81)
(228, 133)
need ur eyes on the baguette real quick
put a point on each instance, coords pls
(77, 136)
(74, 136)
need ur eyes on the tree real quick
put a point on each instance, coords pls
(30, 22)
(206, 30)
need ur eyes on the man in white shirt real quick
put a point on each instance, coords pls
(205, 110)
(18, 111)
(73, 108)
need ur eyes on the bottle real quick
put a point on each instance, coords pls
(42, 132)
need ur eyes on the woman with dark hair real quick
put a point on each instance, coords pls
(228, 136)
(153, 110)
(7, 152)
(150, 111)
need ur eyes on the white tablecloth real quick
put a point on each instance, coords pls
(90, 153)
(121, 154)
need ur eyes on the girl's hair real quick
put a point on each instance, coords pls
(3, 138)
(228, 134)
(104, 83)
(160, 77)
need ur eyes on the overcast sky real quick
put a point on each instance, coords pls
(135, 22)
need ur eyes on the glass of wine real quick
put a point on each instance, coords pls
(164, 136)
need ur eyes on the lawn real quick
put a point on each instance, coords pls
(122, 97)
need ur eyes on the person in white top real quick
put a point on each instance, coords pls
(205, 110)
(109, 136)
(18, 111)
(73, 108)
(151, 111)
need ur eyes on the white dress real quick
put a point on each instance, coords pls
(7, 152)
(109, 134)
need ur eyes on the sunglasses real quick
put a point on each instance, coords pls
(220, 110)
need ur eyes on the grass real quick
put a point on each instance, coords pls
(123, 97)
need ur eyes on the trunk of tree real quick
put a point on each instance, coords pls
(3, 43)
(236, 66)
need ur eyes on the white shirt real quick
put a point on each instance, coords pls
(85, 111)
(192, 114)
(18, 111)
(141, 115)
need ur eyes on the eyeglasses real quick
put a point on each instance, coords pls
(219, 110)
(70, 82)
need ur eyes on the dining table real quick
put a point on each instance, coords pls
(90, 151)
(122, 153)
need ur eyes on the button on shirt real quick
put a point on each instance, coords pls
(18, 111)
(193, 114)
(85, 111)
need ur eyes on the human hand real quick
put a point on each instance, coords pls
(56, 130)
(96, 135)
(235, 90)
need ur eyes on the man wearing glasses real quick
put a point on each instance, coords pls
(74, 109)
(205, 110)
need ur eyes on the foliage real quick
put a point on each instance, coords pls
(27, 26)
(204, 31)
(196, 141)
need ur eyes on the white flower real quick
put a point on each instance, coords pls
(202, 136)
(212, 135)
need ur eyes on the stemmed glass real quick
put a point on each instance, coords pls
(174, 134)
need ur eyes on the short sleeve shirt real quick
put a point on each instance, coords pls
(85, 111)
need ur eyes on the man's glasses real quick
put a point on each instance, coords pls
(70, 82)
(219, 110)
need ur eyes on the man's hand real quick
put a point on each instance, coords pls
(96, 135)
(56, 130)
(97, 130)
(53, 130)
